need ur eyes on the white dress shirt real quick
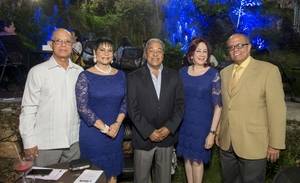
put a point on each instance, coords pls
(49, 117)
(156, 80)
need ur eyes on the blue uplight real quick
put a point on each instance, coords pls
(218, 1)
(247, 18)
(259, 43)
(37, 15)
(46, 24)
(66, 3)
(183, 22)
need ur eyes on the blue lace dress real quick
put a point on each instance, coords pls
(101, 97)
(202, 93)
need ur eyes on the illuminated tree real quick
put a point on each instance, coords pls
(247, 17)
(183, 21)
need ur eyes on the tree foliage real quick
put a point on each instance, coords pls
(21, 13)
(136, 19)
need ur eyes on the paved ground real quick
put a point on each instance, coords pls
(293, 111)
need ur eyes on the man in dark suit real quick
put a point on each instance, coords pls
(155, 106)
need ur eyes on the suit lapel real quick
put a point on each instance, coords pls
(247, 74)
(149, 83)
(164, 80)
(228, 75)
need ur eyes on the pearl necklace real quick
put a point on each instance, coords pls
(103, 71)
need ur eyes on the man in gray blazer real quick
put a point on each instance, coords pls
(155, 106)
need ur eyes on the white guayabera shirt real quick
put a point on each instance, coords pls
(49, 117)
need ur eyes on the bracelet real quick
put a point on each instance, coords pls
(105, 129)
(212, 132)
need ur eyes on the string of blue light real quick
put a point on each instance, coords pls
(184, 21)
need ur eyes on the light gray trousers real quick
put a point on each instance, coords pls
(54, 156)
(161, 158)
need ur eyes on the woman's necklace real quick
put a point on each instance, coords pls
(103, 71)
(197, 71)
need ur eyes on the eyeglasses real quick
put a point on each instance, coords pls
(237, 46)
(60, 42)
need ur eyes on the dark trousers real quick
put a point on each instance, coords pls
(238, 170)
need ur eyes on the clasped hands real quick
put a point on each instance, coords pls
(111, 130)
(159, 134)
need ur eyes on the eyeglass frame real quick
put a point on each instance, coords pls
(237, 46)
(60, 42)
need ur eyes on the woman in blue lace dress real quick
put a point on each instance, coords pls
(202, 110)
(101, 101)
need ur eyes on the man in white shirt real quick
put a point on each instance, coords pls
(49, 122)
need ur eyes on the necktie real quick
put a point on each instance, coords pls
(235, 78)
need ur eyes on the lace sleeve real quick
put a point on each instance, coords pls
(82, 99)
(123, 108)
(216, 90)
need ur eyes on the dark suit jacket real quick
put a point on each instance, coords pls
(148, 113)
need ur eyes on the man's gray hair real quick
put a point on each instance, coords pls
(152, 40)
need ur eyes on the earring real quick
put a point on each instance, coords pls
(94, 57)
(191, 60)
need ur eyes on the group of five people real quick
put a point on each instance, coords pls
(67, 111)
